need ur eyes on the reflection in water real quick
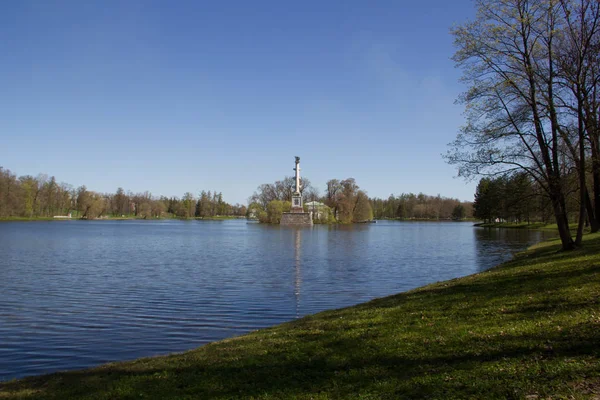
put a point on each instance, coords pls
(297, 270)
(486, 241)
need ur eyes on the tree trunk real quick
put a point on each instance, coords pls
(591, 127)
(595, 214)
(594, 225)
(562, 221)
(581, 222)
(581, 168)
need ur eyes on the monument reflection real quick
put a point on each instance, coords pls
(297, 268)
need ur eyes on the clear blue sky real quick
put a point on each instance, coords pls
(189, 95)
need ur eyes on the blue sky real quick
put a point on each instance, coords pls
(183, 96)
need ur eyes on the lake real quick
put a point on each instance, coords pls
(75, 294)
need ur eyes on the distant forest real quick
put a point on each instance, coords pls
(518, 198)
(421, 206)
(343, 201)
(41, 196)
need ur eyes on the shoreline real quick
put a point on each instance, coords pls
(216, 218)
(537, 226)
(34, 219)
(527, 327)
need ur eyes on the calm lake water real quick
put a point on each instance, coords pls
(75, 294)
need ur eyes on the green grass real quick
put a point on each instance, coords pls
(10, 219)
(528, 329)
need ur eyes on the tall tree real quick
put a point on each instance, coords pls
(121, 200)
(30, 192)
(578, 72)
(362, 208)
(458, 212)
(508, 59)
(189, 205)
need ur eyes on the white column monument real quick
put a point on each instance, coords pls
(297, 216)
(297, 196)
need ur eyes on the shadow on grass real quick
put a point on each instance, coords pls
(453, 339)
(358, 371)
(506, 287)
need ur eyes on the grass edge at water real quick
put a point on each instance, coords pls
(528, 328)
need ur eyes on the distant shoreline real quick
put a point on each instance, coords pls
(541, 226)
(215, 218)
(427, 219)
(33, 219)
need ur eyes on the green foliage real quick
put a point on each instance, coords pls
(275, 210)
(90, 205)
(362, 208)
(349, 204)
(262, 217)
(484, 199)
(528, 329)
(145, 211)
(253, 210)
(513, 198)
(29, 197)
(458, 212)
(418, 206)
(280, 190)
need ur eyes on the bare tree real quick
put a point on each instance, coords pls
(508, 58)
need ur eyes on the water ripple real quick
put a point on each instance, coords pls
(77, 294)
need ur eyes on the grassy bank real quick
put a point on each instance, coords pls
(527, 329)
(10, 219)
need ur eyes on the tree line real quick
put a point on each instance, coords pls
(421, 206)
(31, 197)
(347, 203)
(532, 68)
(343, 201)
(514, 198)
